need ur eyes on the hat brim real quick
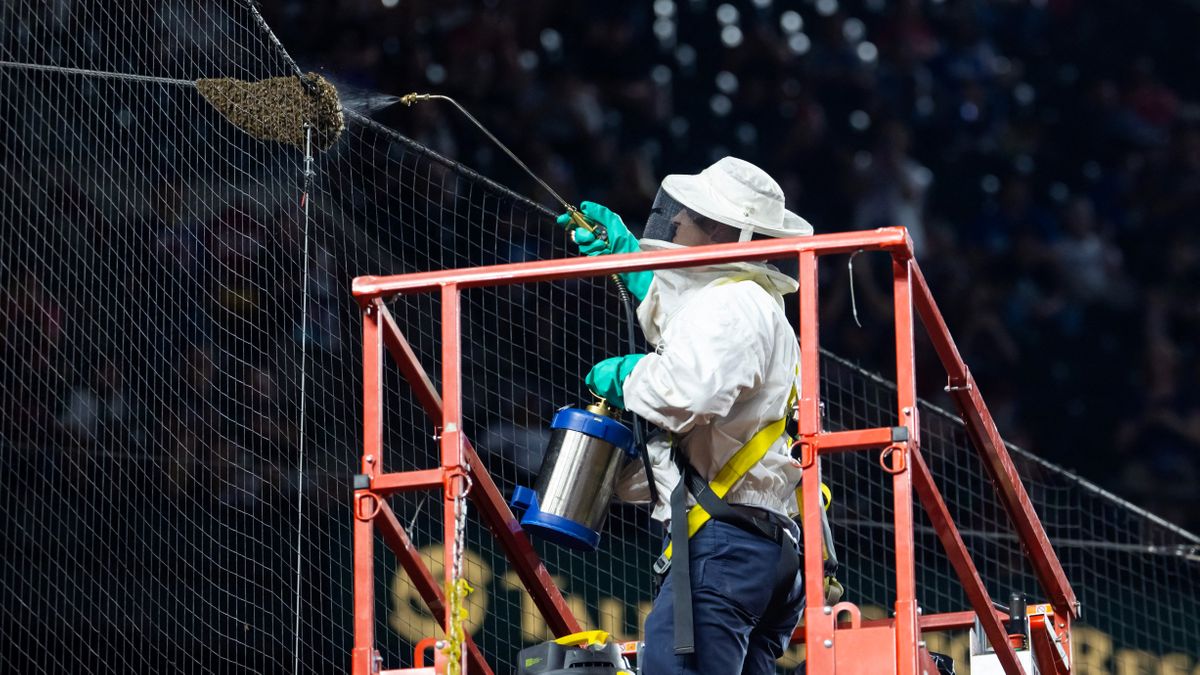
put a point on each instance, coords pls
(793, 226)
(698, 194)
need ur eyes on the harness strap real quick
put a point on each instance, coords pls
(746, 457)
(717, 509)
(723, 511)
(681, 574)
(710, 503)
(828, 552)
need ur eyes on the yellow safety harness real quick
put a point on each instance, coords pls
(710, 503)
(832, 587)
(737, 466)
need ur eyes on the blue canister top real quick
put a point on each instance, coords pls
(596, 426)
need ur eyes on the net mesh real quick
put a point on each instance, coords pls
(179, 409)
(1135, 575)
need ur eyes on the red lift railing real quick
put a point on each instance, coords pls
(876, 647)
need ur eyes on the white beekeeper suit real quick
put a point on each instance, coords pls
(726, 358)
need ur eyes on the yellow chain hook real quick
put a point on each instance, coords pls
(459, 615)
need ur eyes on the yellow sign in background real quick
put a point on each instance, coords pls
(1095, 651)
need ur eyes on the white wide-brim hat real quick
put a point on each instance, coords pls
(739, 194)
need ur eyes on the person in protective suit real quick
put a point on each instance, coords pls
(721, 384)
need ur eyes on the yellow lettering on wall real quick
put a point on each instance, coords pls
(873, 612)
(644, 608)
(578, 607)
(1175, 664)
(956, 645)
(533, 627)
(613, 618)
(1092, 651)
(1135, 662)
(410, 617)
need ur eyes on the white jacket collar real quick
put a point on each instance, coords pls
(672, 288)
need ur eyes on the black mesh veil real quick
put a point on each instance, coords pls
(660, 225)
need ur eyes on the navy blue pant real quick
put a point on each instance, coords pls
(740, 626)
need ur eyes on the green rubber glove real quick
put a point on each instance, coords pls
(607, 378)
(620, 240)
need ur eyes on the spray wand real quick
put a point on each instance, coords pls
(580, 221)
(576, 217)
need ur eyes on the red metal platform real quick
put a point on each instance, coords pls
(879, 647)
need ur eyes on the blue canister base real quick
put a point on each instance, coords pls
(550, 527)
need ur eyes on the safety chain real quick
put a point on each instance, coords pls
(457, 593)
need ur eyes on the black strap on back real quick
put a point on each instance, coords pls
(720, 509)
(681, 572)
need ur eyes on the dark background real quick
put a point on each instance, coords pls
(1045, 156)
(180, 387)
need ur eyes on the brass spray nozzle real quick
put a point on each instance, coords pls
(601, 407)
(409, 99)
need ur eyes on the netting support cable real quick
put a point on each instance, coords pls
(464, 170)
(270, 35)
(309, 174)
(1057, 470)
(98, 73)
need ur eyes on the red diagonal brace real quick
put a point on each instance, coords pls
(524, 558)
(987, 441)
(410, 559)
(956, 551)
(404, 356)
(1047, 646)
(486, 495)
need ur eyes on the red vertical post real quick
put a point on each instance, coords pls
(452, 437)
(818, 625)
(898, 461)
(362, 660)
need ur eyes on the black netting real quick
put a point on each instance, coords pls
(1122, 562)
(180, 383)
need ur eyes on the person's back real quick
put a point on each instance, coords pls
(720, 384)
(724, 352)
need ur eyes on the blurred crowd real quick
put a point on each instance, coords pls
(153, 339)
(1044, 155)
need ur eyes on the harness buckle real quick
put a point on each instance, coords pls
(662, 565)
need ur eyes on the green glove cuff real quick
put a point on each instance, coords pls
(607, 378)
(638, 283)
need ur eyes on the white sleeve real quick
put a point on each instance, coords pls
(632, 486)
(717, 346)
